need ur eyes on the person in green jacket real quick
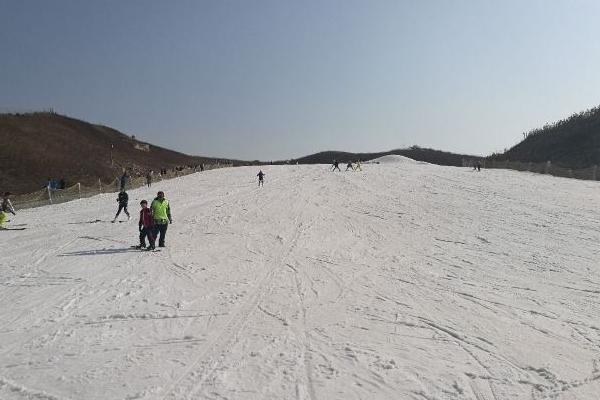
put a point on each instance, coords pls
(161, 214)
(5, 207)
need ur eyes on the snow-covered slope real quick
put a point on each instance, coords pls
(395, 159)
(403, 281)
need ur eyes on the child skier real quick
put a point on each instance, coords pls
(146, 226)
(261, 181)
(123, 199)
(6, 207)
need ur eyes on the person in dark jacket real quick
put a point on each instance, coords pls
(123, 199)
(336, 165)
(146, 226)
(261, 176)
(124, 181)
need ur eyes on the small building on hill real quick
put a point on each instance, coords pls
(142, 146)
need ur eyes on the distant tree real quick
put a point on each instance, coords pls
(572, 142)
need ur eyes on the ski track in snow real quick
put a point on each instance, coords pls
(403, 281)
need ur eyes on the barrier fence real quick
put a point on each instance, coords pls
(48, 196)
(590, 173)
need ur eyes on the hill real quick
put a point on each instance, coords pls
(38, 146)
(573, 142)
(415, 152)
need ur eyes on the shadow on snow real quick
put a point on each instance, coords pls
(98, 252)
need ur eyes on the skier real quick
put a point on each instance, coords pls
(123, 199)
(124, 180)
(161, 214)
(349, 166)
(261, 181)
(149, 179)
(335, 165)
(146, 227)
(478, 166)
(358, 166)
(6, 207)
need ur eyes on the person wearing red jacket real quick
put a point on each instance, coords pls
(146, 225)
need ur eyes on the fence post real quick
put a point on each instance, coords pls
(79, 189)
(49, 194)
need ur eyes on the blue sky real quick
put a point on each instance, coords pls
(281, 79)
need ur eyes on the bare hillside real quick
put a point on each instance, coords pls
(38, 146)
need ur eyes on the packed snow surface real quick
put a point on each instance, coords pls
(403, 281)
(395, 159)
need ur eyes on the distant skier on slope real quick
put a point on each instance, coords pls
(6, 207)
(478, 166)
(122, 199)
(146, 226)
(161, 214)
(335, 165)
(123, 181)
(261, 181)
(358, 168)
(349, 166)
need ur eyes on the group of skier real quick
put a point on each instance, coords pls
(350, 165)
(154, 219)
(336, 165)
